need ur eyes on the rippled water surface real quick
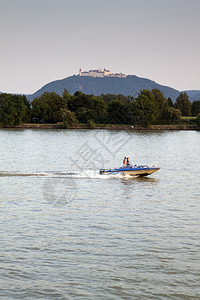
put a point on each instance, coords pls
(67, 232)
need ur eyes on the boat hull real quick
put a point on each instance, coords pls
(138, 171)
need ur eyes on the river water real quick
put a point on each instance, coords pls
(67, 232)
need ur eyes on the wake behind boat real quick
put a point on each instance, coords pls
(132, 170)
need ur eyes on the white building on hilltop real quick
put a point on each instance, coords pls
(100, 73)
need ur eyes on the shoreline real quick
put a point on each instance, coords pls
(105, 127)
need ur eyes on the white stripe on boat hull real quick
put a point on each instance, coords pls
(141, 172)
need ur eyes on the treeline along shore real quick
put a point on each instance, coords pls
(149, 110)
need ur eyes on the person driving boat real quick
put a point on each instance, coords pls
(127, 161)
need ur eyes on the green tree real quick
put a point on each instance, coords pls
(88, 107)
(7, 112)
(162, 105)
(195, 108)
(146, 108)
(174, 115)
(170, 102)
(183, 104)
(27, 114)
(99, 109)
(14, 109)
(66, 96)
(121, 98)
(47, 107)
(68, 117)
(116, 114)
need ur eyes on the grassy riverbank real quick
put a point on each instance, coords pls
(107, 126)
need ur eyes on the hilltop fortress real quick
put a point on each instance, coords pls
(100, 73)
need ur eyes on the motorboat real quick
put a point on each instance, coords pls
(131, 170)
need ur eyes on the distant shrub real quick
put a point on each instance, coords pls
(91, 124)
(69, 118)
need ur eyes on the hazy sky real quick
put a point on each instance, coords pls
(46, 40)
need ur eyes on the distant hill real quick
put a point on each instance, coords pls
(193, 95)
(129, 86)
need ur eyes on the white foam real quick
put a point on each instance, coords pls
(94, 174)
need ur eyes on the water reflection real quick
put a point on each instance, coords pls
(129, 179)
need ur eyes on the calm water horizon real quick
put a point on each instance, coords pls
(68, 232)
